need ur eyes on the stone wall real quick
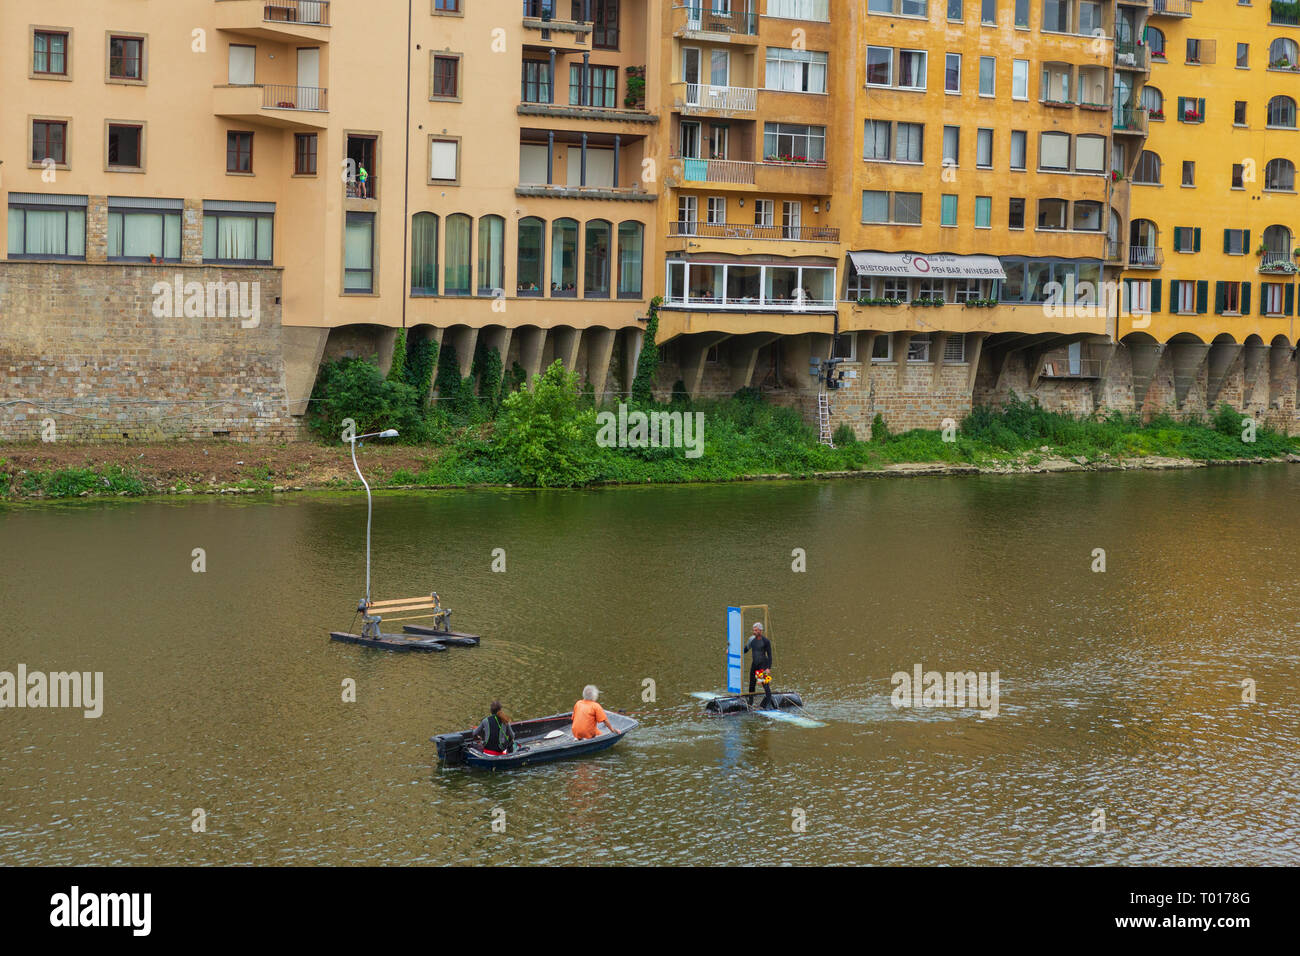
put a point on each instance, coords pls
(94, 349)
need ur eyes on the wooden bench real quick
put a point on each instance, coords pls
(427, 606)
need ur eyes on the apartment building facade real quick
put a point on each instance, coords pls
(937, 195)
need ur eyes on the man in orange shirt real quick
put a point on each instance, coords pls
(587, 714)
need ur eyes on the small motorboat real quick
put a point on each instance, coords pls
(539, 740)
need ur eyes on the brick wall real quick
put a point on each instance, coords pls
(81, 344)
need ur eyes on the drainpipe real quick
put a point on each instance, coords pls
(583, 95)
(550, 157)
(583, 180)
(406, 188)
(550, 83)
(618, 142)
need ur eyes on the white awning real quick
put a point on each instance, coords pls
(940, 265)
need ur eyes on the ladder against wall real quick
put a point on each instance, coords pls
(824, 419)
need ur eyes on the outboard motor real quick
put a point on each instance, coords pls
(451, 747)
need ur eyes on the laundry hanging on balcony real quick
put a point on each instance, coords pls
(913, 265)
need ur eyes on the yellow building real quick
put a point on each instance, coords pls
(922, 202)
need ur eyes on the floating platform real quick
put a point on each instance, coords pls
(392, 642)
(540, 740)
(455, 638)
(788, 705)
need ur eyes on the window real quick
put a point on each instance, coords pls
(964, 290)
(140, 230)
(954, 10)
(1272, 297)
(536, 82)
(359, 252)
(424, 253)
(1152, 100)
(987, 76)
(444, 160)
(952, 73)
(1191, 110)
(1056, 16)
(846, 346)
(45, 226)
(446, 77)
(1182, 296)
(906, 8)
(1282, 54)
(564, 257)
(1232, 298)
(1019, 148)
(1187, 238)
(716, 211)
(1243, 56)
(238, 233)
(984, 148)
(896, 289)
(918, 348)
(880, 66)
(1089, 153)
(876, 207)
(126, 146)
(1087, 216)
(1238, 113)
(794, 143)
(989, 12)
(907, 142)
(1054, 151)
(596, 260)
(764, 212)
(630, 242)
(688, 214)
(1051, 213)
(446, 6)
(1090, 19)
(239, 152)
(602, 84)
(1281, 112)
(1279, 176)
(1238, 171)
(50, 53)
(1189, 173)
(125, 58)
(911, 69)
(1235, 241)
(951, 145)
(1148, 169)
(359, 181)
(1016, 213)
(1155, 40)
(50, 141)
(983, 212)
(877, 140)
(882, 348)
(1200, 52)
(1139, 295)
(455, 273)
(1022, 13)
(1020, 79)
(795, 71)
(954, 348)
(491, 255)
(947, 210)
(241, 66)
(604, 35)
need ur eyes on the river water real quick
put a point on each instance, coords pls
(1120, 692)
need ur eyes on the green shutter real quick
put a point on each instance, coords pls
(1178, 238)
(1155, 295)
(1289, 298)
(1225, 240)
(1245, 298)
(1202, 294)
(1263, 296)
(1200, 108)
(1218, 298)
(1245, 242)
(1196, 239)
(1182, 108)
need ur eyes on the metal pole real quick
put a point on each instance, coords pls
(550, 80)
(618, 144)
(369, 505)
(583, 180)
(550, 157)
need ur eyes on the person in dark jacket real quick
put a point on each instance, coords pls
(760, 664)
(498, 739)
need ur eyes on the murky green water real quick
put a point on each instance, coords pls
(1118, 690)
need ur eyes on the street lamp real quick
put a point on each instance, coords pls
(386, 433)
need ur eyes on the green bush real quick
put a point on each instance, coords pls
(844, 436)
(647, 364)
(540, 431)
(879, 430)
(353, 388)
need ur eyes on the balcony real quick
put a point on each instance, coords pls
(747, 303)
(1171, 8)
(278, 20)
(1277, 263)
(695, 98)
(1282, 14)
(818, 11)
(702, 21)
(1130, 55)
(1145, 257)
(1115, 252)
(710, 230)
(291, 107)
(564, 35)
(717, 171)
(1129, 120)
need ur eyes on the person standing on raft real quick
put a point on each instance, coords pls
(760, 665)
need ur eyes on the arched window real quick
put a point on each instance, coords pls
(491, 254)
(1282, 54)
(1279, 175)
(1277, 240)
(1148, 169)
(564, 257)
(529, 270)
(1153, 101)
(424, 254)
(596, 260)
(630, 241)
(1155, 42)
(456, 276)
(1143, 243)
(1281, 112)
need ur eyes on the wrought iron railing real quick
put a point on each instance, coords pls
(277, 97)
(316, 12)
(1145, 257)
(711, 230)
(1130, 119)
(1131, 53)
(1171, 8)
(705, 17)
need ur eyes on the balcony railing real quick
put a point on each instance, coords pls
(1171, 8)
(1277, 262)
(1282, 14)
(732, 98)
(718, 171)
(1128, 119)
(275, 97)
(298, 11)
(703, 18)
(1114, 250)
(709, 230)
(1129, 53)
(749, 302)
(1145, 257)
(819, 10)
